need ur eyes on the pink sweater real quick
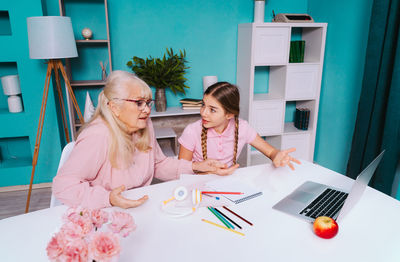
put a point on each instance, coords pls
(87, 177)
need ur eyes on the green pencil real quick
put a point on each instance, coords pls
(220, 218)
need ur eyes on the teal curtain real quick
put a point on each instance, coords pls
(377, 124)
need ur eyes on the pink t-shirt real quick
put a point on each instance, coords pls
(219, 146)
(87, 177)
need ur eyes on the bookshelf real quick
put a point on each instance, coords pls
(84, 72)
(263, 49)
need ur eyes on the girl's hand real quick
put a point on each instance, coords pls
(116, 199)
(282, 158)
(213, 166)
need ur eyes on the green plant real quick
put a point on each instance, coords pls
(168, 72)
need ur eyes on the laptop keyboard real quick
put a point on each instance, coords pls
(328, 203)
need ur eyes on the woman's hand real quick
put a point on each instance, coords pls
(116, 199)
(213, 166)
(282, 158)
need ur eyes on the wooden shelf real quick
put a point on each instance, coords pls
(92, 41)
(84, 83)
(289, 128)
(175, 111)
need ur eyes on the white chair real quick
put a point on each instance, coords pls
(64, 156)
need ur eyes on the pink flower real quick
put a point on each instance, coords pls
(85, 223)
(122, 223)
(99, 217)
(76, 250)
(74, 212)
(104, 246)
(72, 231)
(56, 246)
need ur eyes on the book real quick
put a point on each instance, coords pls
(234, 185)
(191, 107)
(191, 101)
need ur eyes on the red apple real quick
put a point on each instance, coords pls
(325, 227)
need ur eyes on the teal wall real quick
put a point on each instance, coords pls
(207, 30)
(18, 130)
(346, 43)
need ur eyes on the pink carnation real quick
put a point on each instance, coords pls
(122, 223)
(76, 250)
(99, 217)
(73, 214)
(56, 246)
(72, 231)
(85, 223)
(104, 246)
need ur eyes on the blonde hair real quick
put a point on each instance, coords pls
(228, 96)
(122, 144)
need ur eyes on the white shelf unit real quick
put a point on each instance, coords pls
(268, 45)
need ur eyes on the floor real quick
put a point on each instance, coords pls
(13, 203)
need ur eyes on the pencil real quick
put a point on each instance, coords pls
(217, 198)
(223, 220)
(238, 216)
(222, 193)
(212, 223)
(227, 218)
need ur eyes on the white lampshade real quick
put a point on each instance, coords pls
(51, 37)
(209, 81)
(11, 85)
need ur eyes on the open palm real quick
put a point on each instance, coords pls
(282, 158)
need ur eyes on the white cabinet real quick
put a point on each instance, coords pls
(302, 82)
(268, 117)
(289, 85)
(271, 45)
(301, 142)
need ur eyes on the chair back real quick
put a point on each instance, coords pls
(64, 156)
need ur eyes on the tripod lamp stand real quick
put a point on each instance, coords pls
(51, 38)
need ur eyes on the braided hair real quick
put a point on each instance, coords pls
(228, 96)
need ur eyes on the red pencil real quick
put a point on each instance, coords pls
(222, 193)
(238, 215)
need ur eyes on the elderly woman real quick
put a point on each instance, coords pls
(117, 150)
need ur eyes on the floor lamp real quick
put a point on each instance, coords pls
(51, 38)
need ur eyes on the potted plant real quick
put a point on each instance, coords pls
(161, 73)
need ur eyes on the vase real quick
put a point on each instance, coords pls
(161, 100)
(259, 10)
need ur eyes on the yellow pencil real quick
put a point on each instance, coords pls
(212, 223)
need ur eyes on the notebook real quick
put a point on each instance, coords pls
(311, 200)
(234, 185)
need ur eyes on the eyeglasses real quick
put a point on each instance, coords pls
(141, 104)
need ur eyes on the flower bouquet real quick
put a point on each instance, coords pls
(82, 238)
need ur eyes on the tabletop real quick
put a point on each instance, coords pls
(370, 232)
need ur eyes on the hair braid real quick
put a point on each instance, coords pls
(204, 142)
(236, 139)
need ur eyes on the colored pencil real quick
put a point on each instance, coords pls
(219, 215)
(217, 198)
(227, 218)
(238, 216)
(226, 223)
(222, 193)
(212, 223)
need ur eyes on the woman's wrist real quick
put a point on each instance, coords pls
(273, 154)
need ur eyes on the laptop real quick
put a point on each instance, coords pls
(311, 200)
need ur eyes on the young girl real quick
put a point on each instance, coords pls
(221, 135)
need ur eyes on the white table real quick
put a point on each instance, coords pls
(370, 232)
